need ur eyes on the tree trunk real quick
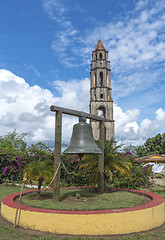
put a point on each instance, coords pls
(39, 186)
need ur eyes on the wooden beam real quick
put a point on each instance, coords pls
(78, 113)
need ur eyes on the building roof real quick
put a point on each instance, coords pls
(152, 158)
(99, 46)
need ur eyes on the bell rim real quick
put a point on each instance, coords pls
(79, 151)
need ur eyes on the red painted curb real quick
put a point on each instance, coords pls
(155, 201)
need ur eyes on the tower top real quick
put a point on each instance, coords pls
(99, 46)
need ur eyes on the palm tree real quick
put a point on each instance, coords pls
(39, 172)
(114, 163)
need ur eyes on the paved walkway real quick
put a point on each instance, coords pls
(160, 181)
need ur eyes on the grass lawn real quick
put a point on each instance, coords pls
(84, 199)
(8, 232)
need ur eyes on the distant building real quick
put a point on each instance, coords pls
(101, 102)
(155, 158)
(157, 161)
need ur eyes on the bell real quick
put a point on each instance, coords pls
(82, 141)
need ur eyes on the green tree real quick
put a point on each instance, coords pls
(6, 146)
(13, 156)
(40, 169)
(39, 149)
(40, 152)
(129, 148)
(114, 163)
(39, 172)
(155, 145)
(13, 142)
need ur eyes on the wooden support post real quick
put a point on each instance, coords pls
(57, 156)
(19, 200)
(101, 158)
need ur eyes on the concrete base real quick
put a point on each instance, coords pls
(96, 222)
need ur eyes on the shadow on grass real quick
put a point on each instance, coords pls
(85, 193)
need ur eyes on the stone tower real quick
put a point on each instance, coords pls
(100, 91)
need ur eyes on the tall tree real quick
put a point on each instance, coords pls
(155, 145)
(40, 152)
(129, 148)
(13, 140)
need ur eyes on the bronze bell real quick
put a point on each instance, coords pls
(82, 141)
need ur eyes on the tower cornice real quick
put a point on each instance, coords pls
(100, 87)
(108, 69)
(100, 101)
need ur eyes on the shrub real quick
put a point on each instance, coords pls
(71, 163)
(11, 166)
(139, 177)
(114, 164)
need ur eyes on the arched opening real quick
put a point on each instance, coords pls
(101, 111)
(101, 79)
(108, 80)
(95, 80)
(101, 56)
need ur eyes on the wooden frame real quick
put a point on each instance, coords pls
(57, 156)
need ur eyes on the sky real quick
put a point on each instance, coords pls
(45, 54)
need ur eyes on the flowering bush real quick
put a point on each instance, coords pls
(72, 163)
(139, 177)
(11, 166)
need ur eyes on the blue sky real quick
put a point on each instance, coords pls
(45, 56)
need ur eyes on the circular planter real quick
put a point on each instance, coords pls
(95, 222)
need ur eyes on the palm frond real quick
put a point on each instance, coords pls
(114, 163)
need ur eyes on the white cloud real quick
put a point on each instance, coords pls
(35, 70)
(19, 104)
(136, 44)
(131, 125)
(141, 4)
(128, 131)
(66, 37)
(122, 118)
(26, 109)
(149, 128)
(74, 93)
(55, 9)
(133, 40)
(125, 85)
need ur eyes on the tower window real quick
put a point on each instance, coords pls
(101, 79)
(101, 95)
(101, 111)
(101, 56)
(95, 76)
(94, 80)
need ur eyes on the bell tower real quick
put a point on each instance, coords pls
(101, 102)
